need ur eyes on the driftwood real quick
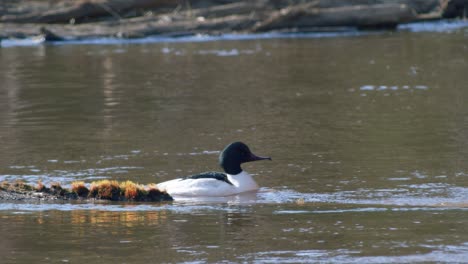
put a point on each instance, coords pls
(173, 18)
(88, 9)
(190, 27)
(380, 15)
(455, 8)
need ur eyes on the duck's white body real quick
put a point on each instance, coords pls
(210, 187)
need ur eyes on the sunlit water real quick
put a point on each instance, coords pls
(368, 134)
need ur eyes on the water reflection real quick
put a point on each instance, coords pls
(318, 232)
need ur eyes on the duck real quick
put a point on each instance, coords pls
(234, 180)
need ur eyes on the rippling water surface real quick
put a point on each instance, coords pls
(368, 134)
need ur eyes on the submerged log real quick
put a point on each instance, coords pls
(100, 190)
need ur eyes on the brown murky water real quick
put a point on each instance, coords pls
(368, 134)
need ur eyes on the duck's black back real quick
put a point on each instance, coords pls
(210, 175)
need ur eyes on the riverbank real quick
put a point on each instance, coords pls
(74, 20)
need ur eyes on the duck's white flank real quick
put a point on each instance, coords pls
(209, 187)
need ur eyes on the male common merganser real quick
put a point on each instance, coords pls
(215, 184)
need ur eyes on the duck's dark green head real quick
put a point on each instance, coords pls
(234, 155)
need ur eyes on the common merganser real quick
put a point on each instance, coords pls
(216, 184)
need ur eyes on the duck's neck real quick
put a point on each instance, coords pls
(243, 181)
(231, 167)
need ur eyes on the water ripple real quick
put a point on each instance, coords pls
(444, 195)
(399, 200)
(444, 254)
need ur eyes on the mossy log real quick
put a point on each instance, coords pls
(99, 190)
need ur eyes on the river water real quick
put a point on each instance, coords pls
(368, 135)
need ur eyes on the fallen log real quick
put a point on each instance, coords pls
(455, 8)
(87, 9)
(301, 16)
(237, 8)
(189, 27)
(214, 17)
(100, 190)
